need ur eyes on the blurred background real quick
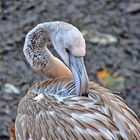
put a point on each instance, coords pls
(112, 32)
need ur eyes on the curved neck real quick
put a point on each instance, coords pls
(38, 55)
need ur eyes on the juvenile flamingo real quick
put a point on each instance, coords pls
(60, 109)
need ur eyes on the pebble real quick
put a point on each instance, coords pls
(99, 38)
(9, 88)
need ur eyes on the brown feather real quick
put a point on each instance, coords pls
(51, 111)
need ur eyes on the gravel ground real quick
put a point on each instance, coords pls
(119, 18)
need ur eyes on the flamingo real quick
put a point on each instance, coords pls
(68, 106)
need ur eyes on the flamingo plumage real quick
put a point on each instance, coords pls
(62, 108)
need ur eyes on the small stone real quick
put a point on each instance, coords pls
(99, 38)
(8, 98)
(9, 88)
(133, 8)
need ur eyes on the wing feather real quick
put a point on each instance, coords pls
(102, 115)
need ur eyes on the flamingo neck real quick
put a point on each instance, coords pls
(38, 55)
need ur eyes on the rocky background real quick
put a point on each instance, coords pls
(112, 32)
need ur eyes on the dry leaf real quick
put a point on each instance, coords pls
(113, 82)
(11, 132)
(102, 74)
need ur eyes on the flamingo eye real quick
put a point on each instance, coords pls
(67, 50)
